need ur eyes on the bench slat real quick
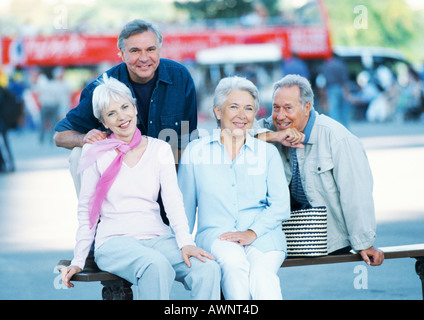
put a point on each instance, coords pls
(90, 273)
(309, 261)
(408, 251)
(412, 251)
(122, 291)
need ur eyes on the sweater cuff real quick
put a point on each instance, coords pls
(185, 241)
(78, 263)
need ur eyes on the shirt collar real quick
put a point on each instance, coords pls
(308, 129)
(216, 137)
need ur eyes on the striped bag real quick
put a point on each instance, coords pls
(306, 232)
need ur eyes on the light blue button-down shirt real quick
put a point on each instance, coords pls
(249, 192)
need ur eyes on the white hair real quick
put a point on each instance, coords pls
(230, 84)
(108, 88)
(291, 80)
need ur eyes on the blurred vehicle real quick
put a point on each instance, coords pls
(376, 70)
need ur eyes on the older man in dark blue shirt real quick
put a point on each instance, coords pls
(164, 89)
(164, 92)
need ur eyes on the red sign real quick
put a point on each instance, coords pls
(182, 46)
(73, 49)
(76, 49)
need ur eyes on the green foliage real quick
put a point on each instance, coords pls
(386, 23)
(219, 9)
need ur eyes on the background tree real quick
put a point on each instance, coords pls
(219, 9)
(388, 23)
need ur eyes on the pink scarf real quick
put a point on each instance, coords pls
(108, 177)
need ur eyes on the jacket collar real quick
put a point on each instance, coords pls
(163, 74)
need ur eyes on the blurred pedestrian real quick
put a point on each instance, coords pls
(413, 97)
(367, 91)
(17, 84)
(63, 89)
(258, 17)
(295, 65)
(336, 78)
(11, 114)
(54, 98)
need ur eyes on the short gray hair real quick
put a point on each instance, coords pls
(291, 80)
(230, 84)
(109, 88)
(137, 26)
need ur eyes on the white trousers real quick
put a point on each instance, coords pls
(248, 273)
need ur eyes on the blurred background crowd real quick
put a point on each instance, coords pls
(370, 50)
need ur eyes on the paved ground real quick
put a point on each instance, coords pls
(38, 223)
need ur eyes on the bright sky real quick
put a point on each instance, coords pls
(415, 4)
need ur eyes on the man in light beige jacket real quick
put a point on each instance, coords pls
(332, 167)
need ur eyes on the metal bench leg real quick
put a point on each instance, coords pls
(419, 268)
(117, 290)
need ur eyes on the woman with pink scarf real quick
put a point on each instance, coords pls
(118, 209)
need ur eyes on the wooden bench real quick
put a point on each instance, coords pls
(116, 288)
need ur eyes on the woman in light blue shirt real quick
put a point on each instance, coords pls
(237, 184)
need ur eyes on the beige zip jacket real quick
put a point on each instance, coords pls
(335, 173)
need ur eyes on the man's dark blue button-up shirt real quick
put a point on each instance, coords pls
(172, 110)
